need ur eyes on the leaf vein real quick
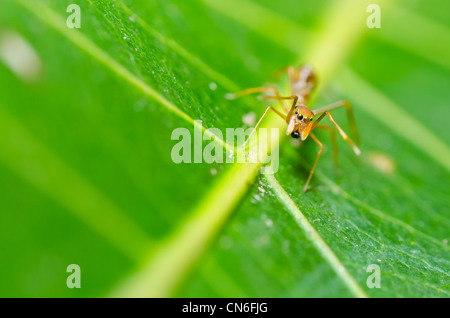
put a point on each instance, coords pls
(377, 212)
(316, 239)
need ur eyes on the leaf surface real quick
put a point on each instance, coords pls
(87, 175)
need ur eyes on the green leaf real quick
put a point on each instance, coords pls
(85, 153)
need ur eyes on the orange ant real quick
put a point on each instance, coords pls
(300, 118)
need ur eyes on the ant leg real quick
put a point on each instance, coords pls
(279, 72)
(294, 103)
(259, 90)
(281, 97)
(350, 116)
(293, 74)
(344, 135)
(333, 142)
(294, 77)
(259, 121)
(305, 188)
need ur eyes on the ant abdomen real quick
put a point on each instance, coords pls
(303, 83)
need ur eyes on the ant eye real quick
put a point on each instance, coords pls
(296, 113)
(311, 119)
(300, 117)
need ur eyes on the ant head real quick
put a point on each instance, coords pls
(303, 114)
(300, 123)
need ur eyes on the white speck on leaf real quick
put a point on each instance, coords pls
(213, 86)
(255, 199)
(19, 56)
(382, 162)
(249, 119)
(261, 190)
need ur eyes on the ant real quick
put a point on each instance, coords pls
(300, 117)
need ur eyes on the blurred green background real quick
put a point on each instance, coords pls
(86, 176)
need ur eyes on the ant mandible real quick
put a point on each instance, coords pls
(300, 118)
